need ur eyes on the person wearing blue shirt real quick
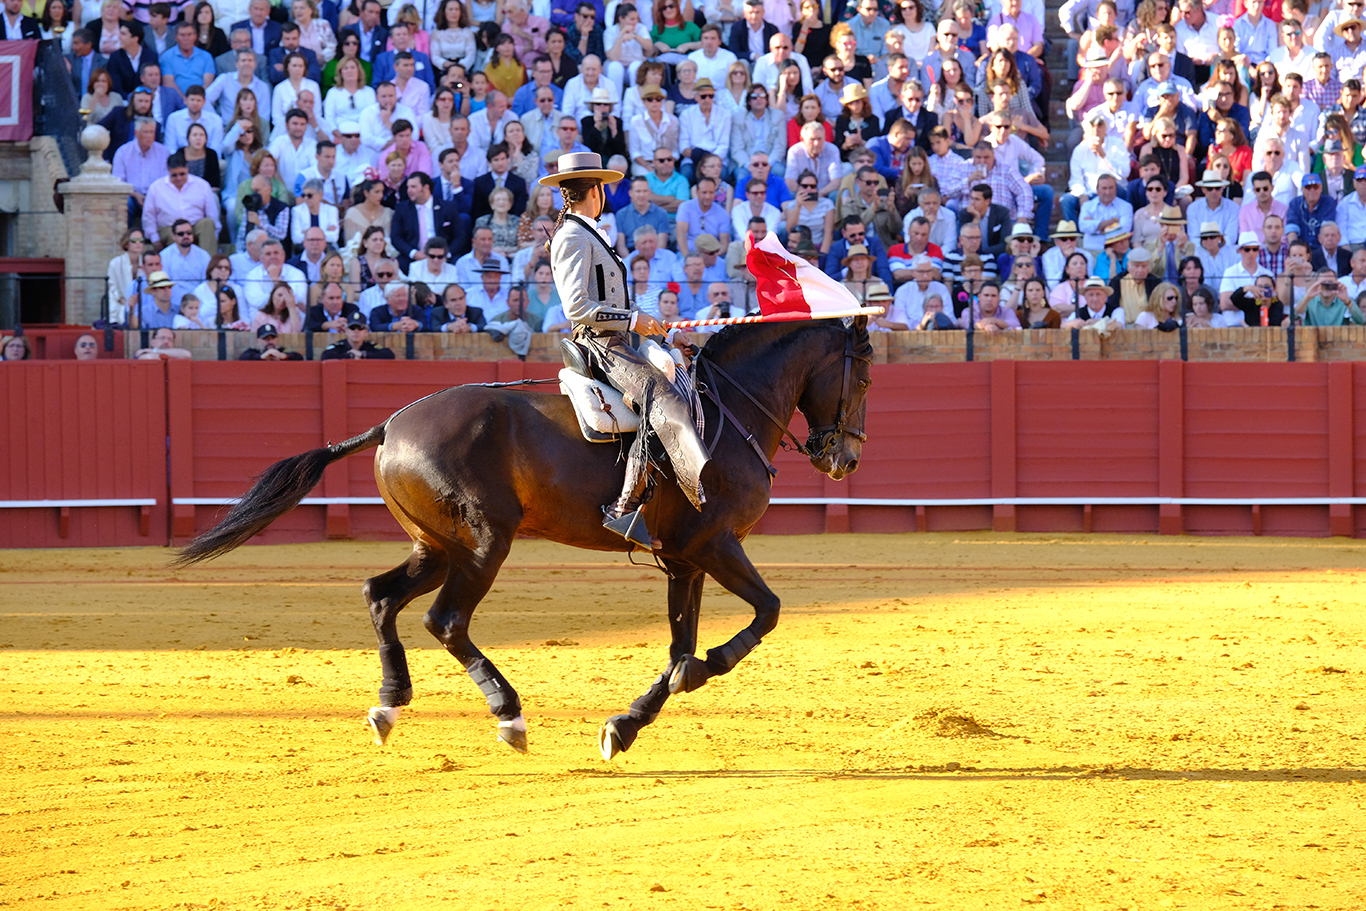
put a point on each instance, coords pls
(542, 70)
(1310, 210)
(400, 33)
(641, 213)
(852, 233)
(185, 65)
(1224, 106)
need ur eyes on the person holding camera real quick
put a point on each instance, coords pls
(262, 210)
(871, 204)
(1243, 274)
(1326, 303)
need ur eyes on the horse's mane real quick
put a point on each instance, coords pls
(720, 345)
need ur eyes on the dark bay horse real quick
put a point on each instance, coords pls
(467, 469)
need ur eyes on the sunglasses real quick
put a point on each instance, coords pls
(384, 275)
(812, 186)
(706, 95)
(662, 160)
(184, 233)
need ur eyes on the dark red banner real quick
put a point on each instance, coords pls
(16, 89)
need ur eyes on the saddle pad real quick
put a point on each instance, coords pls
(597, 424)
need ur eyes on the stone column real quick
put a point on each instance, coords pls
(96, 210)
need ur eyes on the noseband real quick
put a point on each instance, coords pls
(821, 440)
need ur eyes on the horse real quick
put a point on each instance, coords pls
(466, 470)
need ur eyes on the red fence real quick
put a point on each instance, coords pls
(1030, 446)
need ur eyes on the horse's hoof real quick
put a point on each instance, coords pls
(616, 735)
(609, 741)
(688, 674)
(382, 720)
(513, 733)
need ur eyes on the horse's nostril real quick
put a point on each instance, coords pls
(851, 467)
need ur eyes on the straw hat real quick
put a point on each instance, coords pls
(1249, 239)
(855, 250)
(1346, 22)
(1065, 229)
(159, 280)
(854, 91)
(581, 164)
(1171, 215)
(1022, 232)
(877, 291)
(1097, 282)
(1210, 229)
(1116, 236)
(1212, 178)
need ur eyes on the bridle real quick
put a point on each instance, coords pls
(821, 440)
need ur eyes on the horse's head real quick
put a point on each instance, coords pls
(835, 401)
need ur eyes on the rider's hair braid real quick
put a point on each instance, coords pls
(572, 191)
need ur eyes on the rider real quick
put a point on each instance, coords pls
(593, 284)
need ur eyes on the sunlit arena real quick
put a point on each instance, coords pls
(732, 454)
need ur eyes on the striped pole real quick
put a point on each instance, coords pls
(772, 318)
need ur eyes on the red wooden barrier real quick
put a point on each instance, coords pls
(1121, 446)
(81, 432)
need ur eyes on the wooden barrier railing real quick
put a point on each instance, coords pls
(1141, 446)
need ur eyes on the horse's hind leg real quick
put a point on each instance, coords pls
(685, 600)
(468, 580)
(386, 595)
(730, 566)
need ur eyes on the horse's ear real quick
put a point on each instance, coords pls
(861, 323)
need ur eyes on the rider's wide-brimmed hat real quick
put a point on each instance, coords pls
(578, 165)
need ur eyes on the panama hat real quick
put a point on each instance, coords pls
(580, 164)
(1022, 232)
(854, 92)
(1346, 22)
(877, 291)
(601, 96)
(1212, 178)
(1211, 229)
(1097, 282)
(1171, 215)
(1065, 229)
(1116, 236)
(855, 250)
(1096, 56)
(159, 280)
(1249, 239)
(647, 92)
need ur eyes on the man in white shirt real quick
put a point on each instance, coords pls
(1197, 35)
(1099, 153)
(377, 120)
(1242, 274)
(1066, 241)
(813, 153)
(313, 212)
(713, 61)
(756, 205)
(386, 277)
(539, 122)
(257, 285)
(766, 67)
(909, 306)
(1213, 207)
(1285, 174)
(1276, 126)
(474, 162)
(195, 111)
(490, 293)
(434, 271)
(486, 126)
(1215, 254)
(293, 151)
(352, 156)
(1292, 55)
(1355, 280)
(470, 267)
(578, 91)
(1104, 213)
(1352, 211)
(703, 127)
(336, 186)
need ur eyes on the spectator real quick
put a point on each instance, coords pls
(1135, 286)
(283, 310)
(812, 153)
(263, 210)
(163, 347)
(356, 345)
(185, 65)
(1214, 207)
(987, 314)
(1310, 210)
(139, 164)
(1096, 155)
(1329, 254)
(1066, 240)
(1104, 214)
(1254, 213)
(398, 313)
(314, 212)
(160, 314)
(499, 176)
(910, 298)
(1097, 304)
(16, 348)
(85, 348)
(712, 60)
(122, 269)
(701, 216)
(641, 214)
(457, 315)
(180, 196)
(332, 313)
(756, 205)
(269, 350)
(852, 233)
(261, 281)
(311, 256)
(434, 270)
(1326, 304)
(1171, 247)
(668, 189)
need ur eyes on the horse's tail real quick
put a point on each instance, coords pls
(277, 490)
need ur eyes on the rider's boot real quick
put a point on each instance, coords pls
(625, 516)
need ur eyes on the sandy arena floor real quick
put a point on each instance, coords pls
(966, 721)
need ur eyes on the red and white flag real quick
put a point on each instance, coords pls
(16, 89)
(788, 288)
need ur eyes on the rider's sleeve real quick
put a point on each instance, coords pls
(581, 277)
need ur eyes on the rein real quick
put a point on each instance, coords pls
(818, 442)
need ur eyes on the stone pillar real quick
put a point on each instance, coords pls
(96, 209)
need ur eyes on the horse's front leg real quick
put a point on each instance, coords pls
(685, 600)
(730, 566)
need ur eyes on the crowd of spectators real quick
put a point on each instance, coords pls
(374, 167)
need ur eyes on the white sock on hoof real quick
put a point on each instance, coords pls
(383, 720)
(516, 724)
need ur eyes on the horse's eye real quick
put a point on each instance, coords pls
(864, 384)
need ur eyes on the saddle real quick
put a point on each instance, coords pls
(600, 408)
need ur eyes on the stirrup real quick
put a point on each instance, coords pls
(631, 526)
